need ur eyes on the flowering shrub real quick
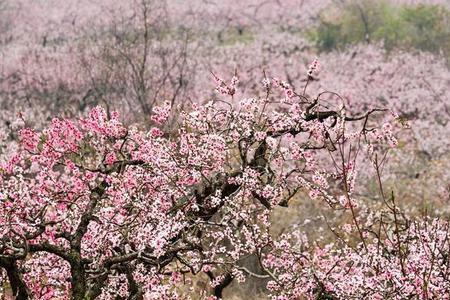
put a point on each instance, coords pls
(132, 194)
(407, 261)
(118, 211)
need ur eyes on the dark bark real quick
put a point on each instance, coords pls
(77, 266)
(19, 288)
(135, 290)
(218, 290)
(78, 280)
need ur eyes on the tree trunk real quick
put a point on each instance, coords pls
(19, 288)
(78, 281)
